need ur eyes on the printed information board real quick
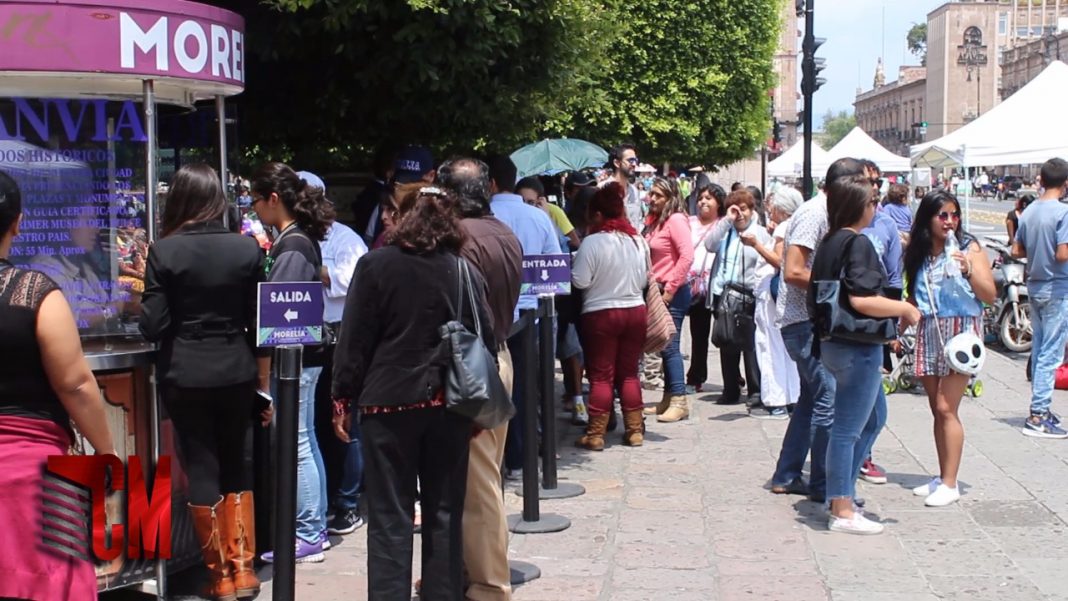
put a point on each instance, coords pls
(546, 274)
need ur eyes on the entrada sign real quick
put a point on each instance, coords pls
(546, 274)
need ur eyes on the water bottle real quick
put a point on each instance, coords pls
(952, 266)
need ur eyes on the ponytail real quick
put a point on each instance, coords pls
(306, 204)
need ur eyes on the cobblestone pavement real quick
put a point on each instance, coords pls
(687, 517)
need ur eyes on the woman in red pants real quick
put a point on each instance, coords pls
(611, 268)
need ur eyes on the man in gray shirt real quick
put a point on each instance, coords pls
(812, 417)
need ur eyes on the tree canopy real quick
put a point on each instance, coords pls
(917, 41)
(329, 80)
(836, 127)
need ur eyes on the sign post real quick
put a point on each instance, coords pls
(288, 316)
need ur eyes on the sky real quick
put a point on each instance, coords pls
(858, 32)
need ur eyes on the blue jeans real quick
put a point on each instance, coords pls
(813, 415)
(857, 369)
(1049, 333)
(348, 490)
(311, 472)
(674, 373)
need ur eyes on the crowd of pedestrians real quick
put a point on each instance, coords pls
(805, 301)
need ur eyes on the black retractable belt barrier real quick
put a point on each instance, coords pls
(550, 487)
(287, 366)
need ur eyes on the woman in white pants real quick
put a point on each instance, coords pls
(779, 381)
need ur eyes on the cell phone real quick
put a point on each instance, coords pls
(263, 401)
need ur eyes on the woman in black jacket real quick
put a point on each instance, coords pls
(200, 304)
(388, 365)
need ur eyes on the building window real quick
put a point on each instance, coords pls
(1003, 23)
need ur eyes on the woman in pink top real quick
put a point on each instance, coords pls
(667, 230)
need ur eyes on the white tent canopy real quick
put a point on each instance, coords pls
(1026, 128)
(790, 163)
(859, 145)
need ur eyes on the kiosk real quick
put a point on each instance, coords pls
(80, 85)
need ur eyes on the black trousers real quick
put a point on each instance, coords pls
(700, 332)
(431, 445)
(211, 425)
(729, 358)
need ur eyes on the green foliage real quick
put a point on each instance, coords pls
(688, 81)
(835, 127)
(917, 41)
(328, 80)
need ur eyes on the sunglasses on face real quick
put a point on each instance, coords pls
(945, 215)
(633, 160)
(876, 182)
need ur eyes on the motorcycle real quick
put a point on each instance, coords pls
(1008, 319)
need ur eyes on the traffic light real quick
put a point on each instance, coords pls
(811, 66)
(776, 131)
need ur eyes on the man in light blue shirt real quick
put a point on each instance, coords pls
(537, 235)
(1043, 238)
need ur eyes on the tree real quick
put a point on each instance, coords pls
(689, 80)
(835, 127)
(328, 80)
(917, 41)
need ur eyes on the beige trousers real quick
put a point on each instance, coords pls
(485, 529)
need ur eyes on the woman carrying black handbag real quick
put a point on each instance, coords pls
(732, 301)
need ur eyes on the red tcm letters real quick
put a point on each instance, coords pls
(147, 532)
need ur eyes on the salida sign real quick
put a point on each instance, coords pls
(147, 529)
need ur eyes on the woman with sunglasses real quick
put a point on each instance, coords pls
(859, 403)
(943, 316)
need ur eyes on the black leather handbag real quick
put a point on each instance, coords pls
(734, 322)
(473, 386)
(836, 319)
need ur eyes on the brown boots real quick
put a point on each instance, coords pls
(678, 409)
(633, 434)
(594, 438)
(239, 542)
(633, 428)
(660, 407)
(227, 536)
(206, 522)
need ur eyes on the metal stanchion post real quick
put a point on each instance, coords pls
(550, 487)
(287, 367)
(532, 520)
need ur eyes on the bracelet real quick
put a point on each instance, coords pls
(342, 406)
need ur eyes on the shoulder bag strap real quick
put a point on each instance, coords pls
(459, 304)
(471, 295)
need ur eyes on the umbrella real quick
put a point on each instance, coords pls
(645, 168)
(564, 154)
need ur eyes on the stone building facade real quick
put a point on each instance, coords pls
(888, 111)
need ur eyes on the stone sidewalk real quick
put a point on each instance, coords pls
(687, 517)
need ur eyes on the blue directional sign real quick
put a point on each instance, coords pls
(289, 313)
(546, 274)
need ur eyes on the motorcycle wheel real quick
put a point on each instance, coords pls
(1014, 336)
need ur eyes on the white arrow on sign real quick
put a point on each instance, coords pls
(290, 315)
(544, 275)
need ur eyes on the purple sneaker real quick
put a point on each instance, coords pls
(306, 553)
(324, 539)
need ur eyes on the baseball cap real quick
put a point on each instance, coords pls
(412, 164)
(312, 179)
(579, 178)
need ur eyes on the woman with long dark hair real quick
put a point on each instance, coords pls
(301, 215)
(710, 206)
(388, 367)
(667, 231)
(944, 315)
(200, 304)
(859, 411)
(45, 383)
(611, 268)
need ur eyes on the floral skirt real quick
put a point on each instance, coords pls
(930, 353)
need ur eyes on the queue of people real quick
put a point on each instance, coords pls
(803, 300)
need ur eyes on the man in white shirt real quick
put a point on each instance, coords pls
(343, 463)
(623, 160)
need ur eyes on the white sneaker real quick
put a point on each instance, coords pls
(942, 496)
(858, 524)
(925, 490)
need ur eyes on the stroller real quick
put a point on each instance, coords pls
(903, 377)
